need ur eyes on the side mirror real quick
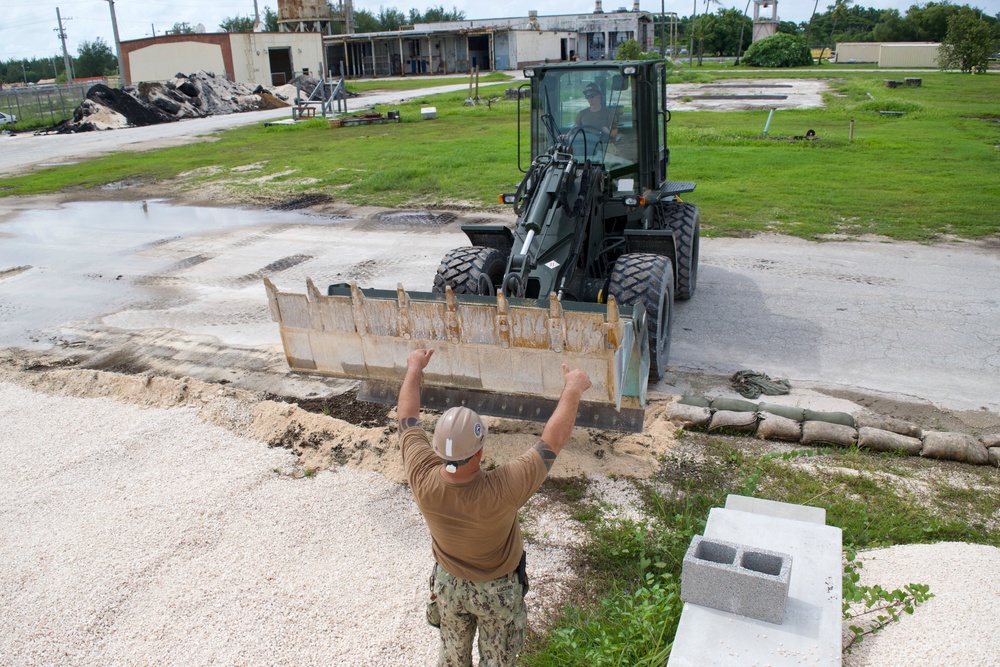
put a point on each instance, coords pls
(618, 82)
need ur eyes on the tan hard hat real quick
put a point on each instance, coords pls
(459, 434)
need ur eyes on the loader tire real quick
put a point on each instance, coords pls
(471, 270)
(650, 279)
(682, 219)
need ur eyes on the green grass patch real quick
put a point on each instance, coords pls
(420, 82)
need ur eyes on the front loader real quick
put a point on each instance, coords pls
(602, 246)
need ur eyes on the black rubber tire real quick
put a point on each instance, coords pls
(682, 219)
(467, 269)
(650, 279)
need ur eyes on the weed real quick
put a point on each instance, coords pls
(871, 608)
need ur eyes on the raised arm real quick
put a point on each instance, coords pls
(560, 425)
(408, 410)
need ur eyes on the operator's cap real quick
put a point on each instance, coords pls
(591, 88)
(459, 434)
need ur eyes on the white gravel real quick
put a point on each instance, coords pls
(133, 536)
(957, 627)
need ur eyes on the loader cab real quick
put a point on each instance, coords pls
(612, 113)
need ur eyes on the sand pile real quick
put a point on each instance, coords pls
(194, 96)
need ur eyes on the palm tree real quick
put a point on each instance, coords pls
(701, 35)
(838, 12)
(809, 27)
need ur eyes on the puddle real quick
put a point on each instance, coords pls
(87, 260)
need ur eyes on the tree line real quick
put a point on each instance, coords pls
(719, 33)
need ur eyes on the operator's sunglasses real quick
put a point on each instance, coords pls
(591, 94)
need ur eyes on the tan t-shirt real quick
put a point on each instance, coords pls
(474, 529)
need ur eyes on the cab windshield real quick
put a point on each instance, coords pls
(589, 112)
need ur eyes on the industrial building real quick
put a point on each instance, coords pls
(488, 44)
(268, 58)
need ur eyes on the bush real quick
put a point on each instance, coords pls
(781, 50)
(630, 50)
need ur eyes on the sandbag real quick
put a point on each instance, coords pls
(994, 457)
(699, 401)
(730, 420)
(830, 417)
(888, 441)
(786, 411)
(990, 441)
(776, 427)
(826, 433)
(889, 424)
(688, 415)
(954, 447)
(733, 405)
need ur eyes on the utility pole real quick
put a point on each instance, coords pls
(256, 16)
(62, 38)
(663, 28)
(694, 22)
(153, 26)
(118, 42)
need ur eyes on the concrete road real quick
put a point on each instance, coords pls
(915, 320)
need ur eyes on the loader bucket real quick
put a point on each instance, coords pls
(499, 356)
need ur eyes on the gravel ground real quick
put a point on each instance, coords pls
(137, 536)
(132, 536)
(957, 627)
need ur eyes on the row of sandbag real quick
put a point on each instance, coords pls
(770, 421)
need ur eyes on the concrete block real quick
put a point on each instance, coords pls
(737, 578)
(428, 113)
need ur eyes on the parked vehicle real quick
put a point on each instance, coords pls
(7, 118)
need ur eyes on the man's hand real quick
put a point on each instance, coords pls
(408, 409)
(418, 359)
(575, 381)
(560, 425)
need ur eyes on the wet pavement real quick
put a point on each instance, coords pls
(179, 290)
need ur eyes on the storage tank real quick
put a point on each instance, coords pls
(303, 10)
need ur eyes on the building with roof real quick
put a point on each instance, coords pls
(488, 44)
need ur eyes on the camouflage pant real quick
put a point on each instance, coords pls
(495, 607)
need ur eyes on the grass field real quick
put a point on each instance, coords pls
(927, 173)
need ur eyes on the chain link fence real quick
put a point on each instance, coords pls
(41, 106)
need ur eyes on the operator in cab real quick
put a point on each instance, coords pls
(597, 115)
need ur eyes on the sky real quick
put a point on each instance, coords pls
(28, 28)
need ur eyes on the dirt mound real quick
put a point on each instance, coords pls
(106, 108)
(325, 439)
(149, 103)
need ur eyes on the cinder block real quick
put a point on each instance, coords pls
(736, 578)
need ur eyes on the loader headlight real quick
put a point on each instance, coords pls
(630, 70)
(508, 198)
(529, 73)
(634, 200)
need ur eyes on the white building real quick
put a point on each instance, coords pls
(256, 58)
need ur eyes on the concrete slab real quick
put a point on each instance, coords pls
(776, 509)
(811, 631)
